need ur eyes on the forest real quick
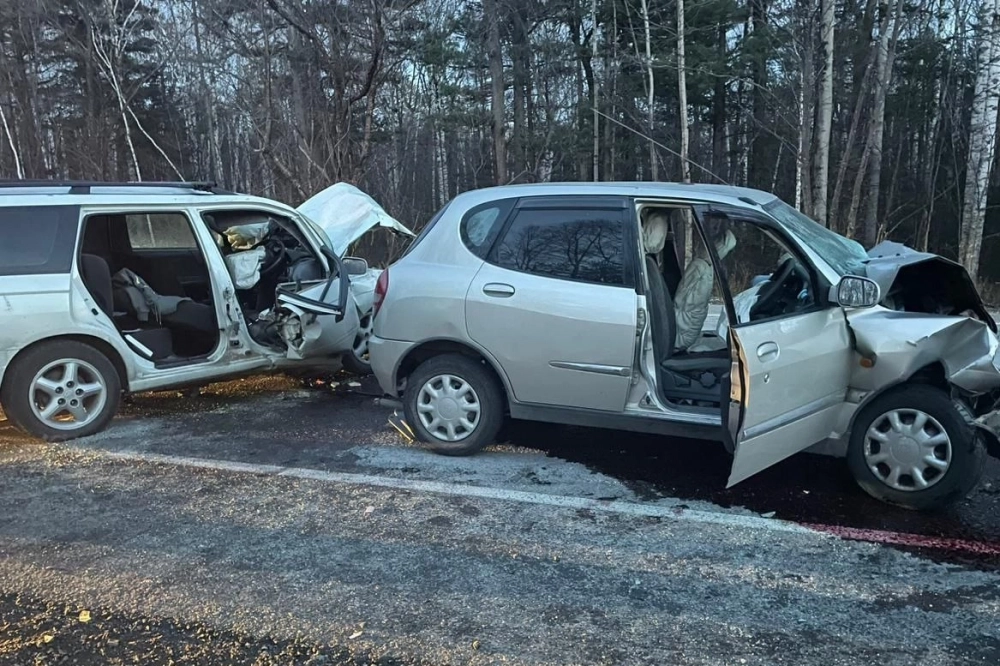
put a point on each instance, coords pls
(877, 118)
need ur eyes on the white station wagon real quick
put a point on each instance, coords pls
(110, 287)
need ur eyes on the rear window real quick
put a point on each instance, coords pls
(481, 225)
(36, 240)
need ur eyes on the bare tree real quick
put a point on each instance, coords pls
(821, 158)
(492, 16)
(982, 137)
(654, 171)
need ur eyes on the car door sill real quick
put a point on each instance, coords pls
(614, 421)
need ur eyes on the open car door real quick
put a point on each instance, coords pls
(787, 387)
(790, 347)
(321, 318)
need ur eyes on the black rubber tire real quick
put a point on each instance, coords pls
(354, 365)
(482, 381)
(968, 449)
(14, 394)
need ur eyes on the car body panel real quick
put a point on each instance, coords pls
(787, 409)
(316, 331)
(576, 350)
(345, 214)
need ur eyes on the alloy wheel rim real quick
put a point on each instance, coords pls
(360, 346)
(67, 394)
(907, 450)
(448, 408)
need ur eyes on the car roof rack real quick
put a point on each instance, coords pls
(84, 186)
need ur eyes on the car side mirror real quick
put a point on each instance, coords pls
(355, 265)
(856, 292)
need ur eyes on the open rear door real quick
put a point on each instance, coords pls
(787, 387)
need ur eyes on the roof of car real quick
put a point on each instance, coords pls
(41, 193)
(702, 191)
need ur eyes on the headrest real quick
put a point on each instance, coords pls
(725, 244)
(654, 233)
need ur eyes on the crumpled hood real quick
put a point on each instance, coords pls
(926, 282)
(345, 214)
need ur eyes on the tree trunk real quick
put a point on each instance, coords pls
(682, 95)
(593, 92)
(982, 139)
(886, 56)
(824, 121)
(18, 170)
(683, 112)
(497, 103)
(654, 171)
(719, 165)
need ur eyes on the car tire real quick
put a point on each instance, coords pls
(469, 390)
(355, 360)
(946, 437)
(74, 372)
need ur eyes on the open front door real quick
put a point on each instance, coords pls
(788, 383)
(790, 348)
(322, 317)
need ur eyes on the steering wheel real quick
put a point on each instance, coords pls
(770, 288)
(272, 247)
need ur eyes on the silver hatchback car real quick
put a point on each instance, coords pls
(701, 311)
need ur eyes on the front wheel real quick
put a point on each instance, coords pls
(454, 404)
(355, 360)
(60, 390)
(915, 448)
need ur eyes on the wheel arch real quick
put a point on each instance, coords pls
(100, 345)
(932, 374)
(431, 348)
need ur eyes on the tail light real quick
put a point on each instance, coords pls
(381, 289)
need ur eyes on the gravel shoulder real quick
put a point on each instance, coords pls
(202, 557)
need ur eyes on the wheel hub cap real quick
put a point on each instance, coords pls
(448, 407)
(67, 394)
(907, 449)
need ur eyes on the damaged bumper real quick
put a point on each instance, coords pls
(989, 424)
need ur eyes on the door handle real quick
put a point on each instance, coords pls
(498, 289)
(768, 351)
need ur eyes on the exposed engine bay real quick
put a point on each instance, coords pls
(914, 281)
(264, 253)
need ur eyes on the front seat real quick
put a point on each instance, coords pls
(659, 304)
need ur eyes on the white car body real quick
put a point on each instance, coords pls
(43, 303)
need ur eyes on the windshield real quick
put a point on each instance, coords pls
(845, 256)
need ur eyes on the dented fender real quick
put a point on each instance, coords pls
(901, 343)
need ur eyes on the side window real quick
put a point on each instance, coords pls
(765, 278)
(584, 245)
(35, 240)
(160, 231)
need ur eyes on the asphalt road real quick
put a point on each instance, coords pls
(262, 523)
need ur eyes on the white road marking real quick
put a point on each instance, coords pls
(672, 511)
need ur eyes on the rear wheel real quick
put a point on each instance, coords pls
(454, 404)
(915, 447)
(60, 390)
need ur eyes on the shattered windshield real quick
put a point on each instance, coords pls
(845, 256)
